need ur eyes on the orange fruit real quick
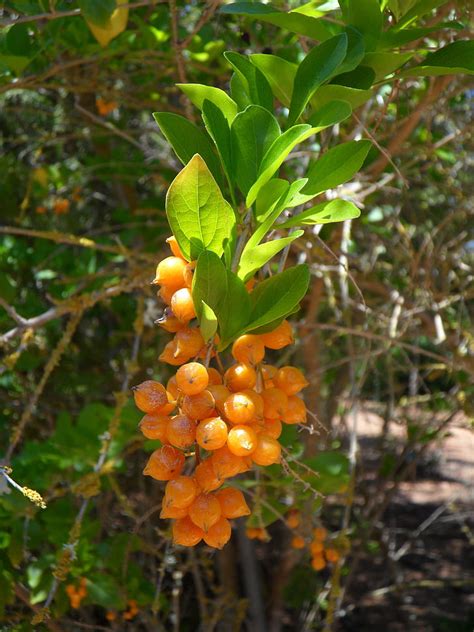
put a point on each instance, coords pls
(267, 452)
(189, 341)
(257, 402)
(226, 464)
(181, 431)
(290, 380)
(205, 511)
(170, 355)
(293, 518)
(172, 512)
(150, 396)
(272, 428)
(240, 376)
(232, 503)
(242, 440)
(248, 349)
(297, 542)
(166, 294)
(332, 555)
(316, 547)
(205, 476)
(318, 563)
(295, 412)
(180, 492)
(198, 406)
(192, 378)
(320, 534)
(239, 408)
(174, 247)
(172, 387)
(165, 464)
(170, 273)
(182, 305)
(279, 337)
(220, 394)
(154, 426)
(214, 376)
(186, 533)
(219, 534)
(275, 403)
(211, 434)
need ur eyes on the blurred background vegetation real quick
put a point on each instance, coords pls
(385, 336)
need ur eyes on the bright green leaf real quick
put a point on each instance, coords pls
(268, 196)
(218, 129)
(324, 213)
(333, 92)
(454, 58)
(366, 17)
(254, 81)
(198, 93)
(255, 258)
(208, 322)
(330, 114)
(280, 74)
(383, 64)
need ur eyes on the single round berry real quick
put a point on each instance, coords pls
(290, 380)
(165, 464)
(295, 412)
(172, 387)
(211, 434)
(320, 534)
(293, 519)
(332, 555)
(279, 337)
(232, 503)
(242, 440)
(174, 247)
(316, 547)
(272, 427)
(180, 492)
(239, 408)
(220, 394)
(150, 396)
(205, 511)
(186, 533)
(189, 341)
(214, 376)
(226, 464)
(219, 534)
(267, 452)
(182, 305)
(275, 403)
(172, 512)
(318, 563)
(171, 356)
(170, 273)
(181, 431)
(192, 378)
(205, 476)
(166, 294)
(257, 400)
(248, 349)
(154, 426)
(198, 406)
(240, 376)
(297, 542)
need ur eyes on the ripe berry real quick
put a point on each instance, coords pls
(267, 452)
(189, 273)
(211, 434)
(186, 533)
(169, 322)
(172, 387)
(180, 492)
(154, 427)
(172, 512)
(170, 272)
(248, 349)
(198, 406)
(242, 440)
(240, 376)
(174, 246)
(256, 533)
(226, 464)
(170, 355)
(290, 380)
(320, 534)
(220, 394)
(206, 477)
(189, 341)
(192, 378)
(332, 555)
(275, 403)
(182, 305)
(316, 547)
(219, 534)
(272, 428)
(166, 294)
(295, 412)
(293, 518)
(268, 371)
(214, 376)
(205, 511)
(279, 337)
(232, 503)
(239, 408)
(318, 563)
(181, 431)
(150, 396)
(297, 542)
(165, 464)
(257, 402)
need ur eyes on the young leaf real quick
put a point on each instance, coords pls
(336, 166)
(330, 114)
(239, 93)
(278, 296)
(383, 64)
(253, 259)
(315, 69)
(355, 51)
(252, 133)
(218, 129)
(366, 17)
(256, 86)
(455, 58)
(235, 310)
(333, 92)
(199, 216)
(187, 140)
(208, 322)
(324, 213)
(275, 155)
(209, 282)
(280, 74)
(268, 196)
(198, 93)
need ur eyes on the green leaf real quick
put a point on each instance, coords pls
(330, 114)
(268, 196)
(18, 41)
(455, 58)
(97, 11)
(254, 81)
(239, 93)
(209, 282)
(276, 154)
(361, 77)
(383, 64)
(235, 309)
(331, 471)
(324, 213)
(315, 69)
(355, 51)
(280, 74)
(366, 17)
(418, 10)
(255, 258)
(277, 296)
(187, 139)
(208, 322)
(252, 133)
(199, 216)
(218, 129)
(336, 166)
(198, 93)
(333, 92)
(393, 38)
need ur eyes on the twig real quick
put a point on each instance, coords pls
(115, 130)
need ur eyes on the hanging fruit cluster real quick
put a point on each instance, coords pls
(223, 420)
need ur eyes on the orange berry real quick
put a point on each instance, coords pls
(198, 406)
(189, 273)
(267, 452)
(215, 377)
(320, 534)
(205, 511)
(248, 349)
(174, 247)
(180, 492)
(318, 563)
(192, 378)
(257, 402)
(220, 394)
(189, 341)
(295, 412)
(186, 533)
(172, 512)
(290, 380)
(170, 406)
(170, 356)
(316, 547)
(170, 273)
(165, 464)
(240, 376)
(61, 206)
(219, 534)
(111, 616)
(256, 533)
(242, 440)
(279, 337)
(168, 320)
(232, 503)
(211, 434)
(239, 408)
(181, 431)
(275, 403)
(41, 210)
(226, 464)
(154, 427)
(250, 284)
(297, 542)
(172, 387)
(332, 555)
(206, 477)
(150, 396)
(182, 305)
(268, 371)
(293, 519)
(272, 428)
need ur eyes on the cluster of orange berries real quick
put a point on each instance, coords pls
(105, 107)
(128, 615)
(60, 206)
(321, 549)
(76, 593)
(235, 416)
